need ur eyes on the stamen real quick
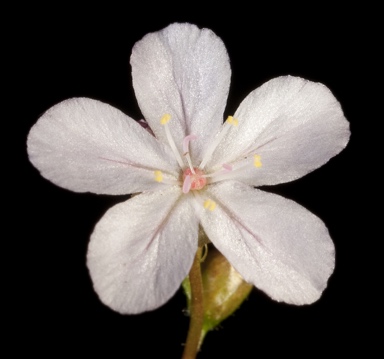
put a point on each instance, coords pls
(158, 176)
(210, 205)
(164, 121)
(200, 204)
(232, 173)
(227, 168)
(230, 121)
(257, 161)
(187, 184)
(186, 154)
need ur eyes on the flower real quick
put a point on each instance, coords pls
(196, 171)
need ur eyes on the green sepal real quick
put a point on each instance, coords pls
(223, 290)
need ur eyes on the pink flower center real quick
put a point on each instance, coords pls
(194, 178)
(197, 180)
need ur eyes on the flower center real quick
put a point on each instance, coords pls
(193, 180)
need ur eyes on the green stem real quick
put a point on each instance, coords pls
(196, 309)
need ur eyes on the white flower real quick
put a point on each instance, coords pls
(196, 170)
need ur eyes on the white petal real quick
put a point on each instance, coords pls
(142, 249)
(273, 242)
(86, 145)
(183, 71)
(294, 125)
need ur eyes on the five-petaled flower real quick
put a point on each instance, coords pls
(195, 171)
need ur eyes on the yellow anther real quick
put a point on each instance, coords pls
(165, 119)
(209, 204)
(232, 121)
(257, 161)
(158, 176)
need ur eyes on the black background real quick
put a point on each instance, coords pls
(62, 52)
